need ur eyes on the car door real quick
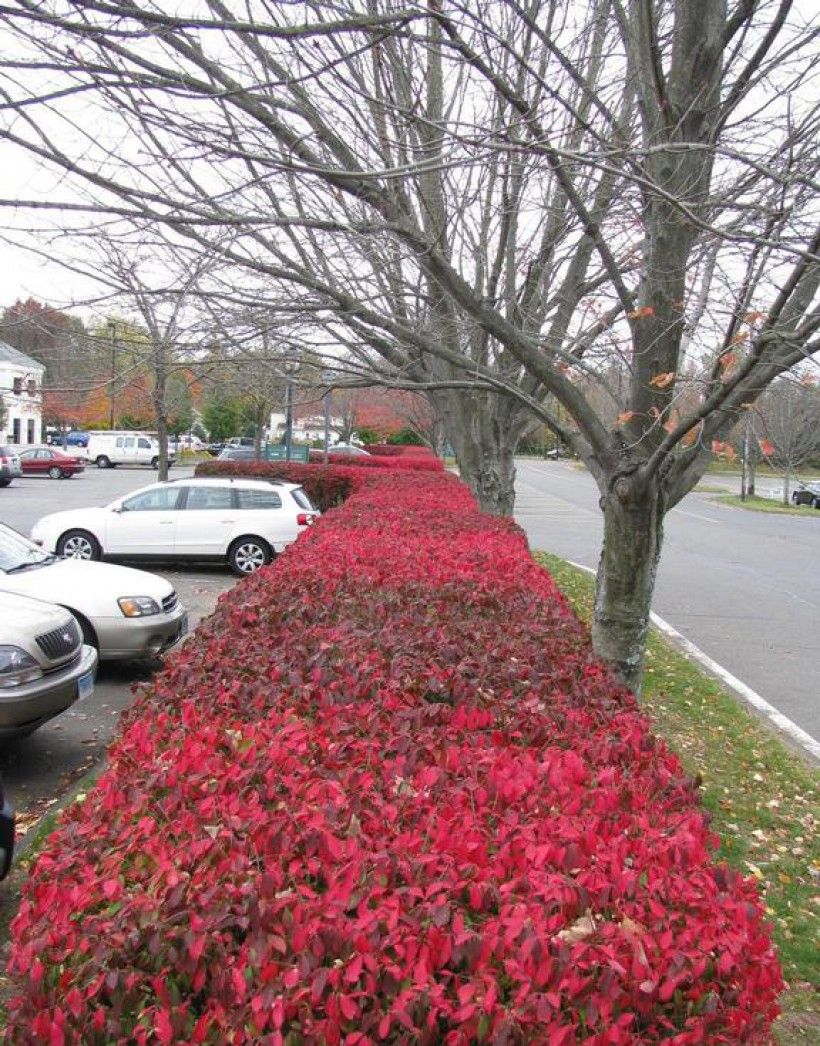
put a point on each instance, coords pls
(144, 524)
(207, 522)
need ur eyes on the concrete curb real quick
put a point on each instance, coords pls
(794, 735)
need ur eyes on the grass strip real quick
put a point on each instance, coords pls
(776, 508)
(763, 800)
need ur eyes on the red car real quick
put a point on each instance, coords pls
(48, 461)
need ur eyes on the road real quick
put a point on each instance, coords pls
(38, 770)
(741, 585)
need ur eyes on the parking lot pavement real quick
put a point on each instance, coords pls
(38, 770)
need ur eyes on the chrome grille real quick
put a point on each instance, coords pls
(61, 642)
(169, 603)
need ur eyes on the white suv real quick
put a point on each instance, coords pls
(244, 521)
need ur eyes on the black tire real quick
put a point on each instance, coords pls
(55, 472)
(154, 463)
(4, 482)
(248, 554)
(79, 544)
(102, 462)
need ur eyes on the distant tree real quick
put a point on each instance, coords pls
(789, 417)
(223, 414)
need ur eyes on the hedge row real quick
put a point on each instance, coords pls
(400, 450)
(386, 794)
(417, 463)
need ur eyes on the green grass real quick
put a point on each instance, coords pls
(756, 504)
(736, 467)
(763, 800)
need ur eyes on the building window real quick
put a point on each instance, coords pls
(31, 387)
(30, 430)
(15, 431)
(18, 386)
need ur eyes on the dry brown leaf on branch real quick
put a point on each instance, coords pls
(660, 381)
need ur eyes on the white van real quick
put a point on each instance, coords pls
(108, 449)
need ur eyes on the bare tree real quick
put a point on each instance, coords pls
(789, 415)
(492, 202)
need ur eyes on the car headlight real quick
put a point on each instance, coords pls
(138, 606)
(17, 667)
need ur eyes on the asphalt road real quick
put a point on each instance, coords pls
(38, 770)
(743, 586)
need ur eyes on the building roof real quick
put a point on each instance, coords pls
(19, 359)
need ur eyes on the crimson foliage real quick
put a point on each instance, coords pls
(414, 462)
(386, 793)
(400, 450)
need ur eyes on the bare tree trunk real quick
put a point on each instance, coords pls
(488, 468)
(162, 429)
(483, 431)
(633, 534)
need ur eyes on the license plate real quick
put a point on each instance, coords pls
(85, 685)
(183, 625)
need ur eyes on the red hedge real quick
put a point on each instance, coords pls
(414, 462)
(402, 450)
(387, 794)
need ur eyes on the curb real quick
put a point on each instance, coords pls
(796, 737)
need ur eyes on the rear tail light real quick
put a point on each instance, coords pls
(305, 519)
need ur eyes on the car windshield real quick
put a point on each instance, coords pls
(17, 553)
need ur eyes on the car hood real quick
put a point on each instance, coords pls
(30, 615)
(91, 588)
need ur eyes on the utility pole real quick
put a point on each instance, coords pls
(290, 365)
(327, 377)
(112, 330)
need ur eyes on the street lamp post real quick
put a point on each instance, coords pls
(112, 330)
(290, 364)
(327, 378)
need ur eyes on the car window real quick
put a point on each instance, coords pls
(23, 453)
(43, 454)
(159, 499)
(302, 500)
(257, 499)
(209, 498)
(145, 443)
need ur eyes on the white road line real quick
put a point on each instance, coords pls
(694, 515)
(781, 722)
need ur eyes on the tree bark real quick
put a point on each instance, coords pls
(483, 430)
(489, 471)
(633, 534)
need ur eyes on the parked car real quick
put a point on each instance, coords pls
(44, 665)
(122, 447)
(124, 613)
(807, 494)
(245, 522)
(216, 447)
(237, 454)
(349, 450)
(9, 464)
(6, 834)
(48, 461)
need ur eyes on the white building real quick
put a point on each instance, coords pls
(21, 390)
(305, 430)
